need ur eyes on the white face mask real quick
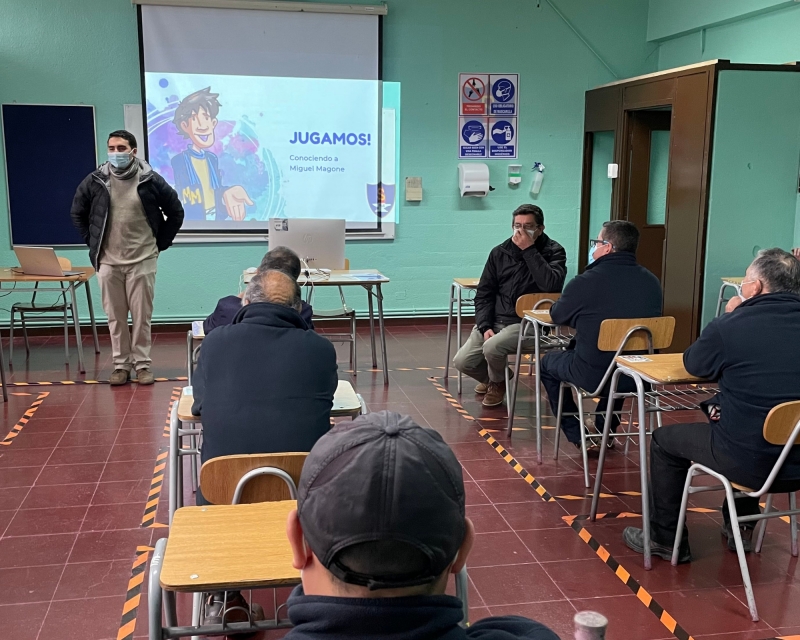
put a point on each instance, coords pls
(531, 233)
(120, 160)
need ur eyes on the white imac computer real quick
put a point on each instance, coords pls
(320, 243)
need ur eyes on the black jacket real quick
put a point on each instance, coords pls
(229, 306)
(264, 384)
(92, 199)
(754, 354)
(510, 273)
(412, 618)
(615, 286)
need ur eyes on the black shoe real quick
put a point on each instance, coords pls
(747, 536)
(634, 538)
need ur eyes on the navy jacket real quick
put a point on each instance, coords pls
(412, 618)
(264, 384)
(510, 273)
(615, 286)
(229, 306)
(754, 354)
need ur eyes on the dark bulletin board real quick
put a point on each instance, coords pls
(49, 149)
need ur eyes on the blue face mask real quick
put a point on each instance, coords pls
(120, 160)
(591, 254)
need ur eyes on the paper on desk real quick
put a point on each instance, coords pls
(197, 329)
(366, 276)
(635, 359)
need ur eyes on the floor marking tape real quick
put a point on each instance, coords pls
(74, 382)
(575, 523)
(159, 470)
(25, 419)
(127, 624)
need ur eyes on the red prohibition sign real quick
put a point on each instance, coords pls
(474, 89)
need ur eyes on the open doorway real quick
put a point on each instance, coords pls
(645, 199)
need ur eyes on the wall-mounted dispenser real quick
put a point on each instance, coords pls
(473, 179)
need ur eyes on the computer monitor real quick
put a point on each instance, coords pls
(319, 242)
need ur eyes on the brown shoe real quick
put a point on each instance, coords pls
(119, 377)
(481, 388)
(236, 611)
(495, 394)
(145, 376)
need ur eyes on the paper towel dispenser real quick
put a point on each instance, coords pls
(473, 179)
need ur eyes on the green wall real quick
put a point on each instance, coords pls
(86, 51)
(600, 196)
(754, 169)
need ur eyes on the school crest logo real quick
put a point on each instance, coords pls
(380, 198)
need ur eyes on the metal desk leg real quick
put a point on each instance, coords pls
(537, 382)
(648, 563)
(449, 329)
(371, 327)
(514, 387)
(174, 459)
(189, 363)
(383, 335)
(91, 317)
(3, 373)
(81, 365)
(598, 479)
(154, 593)
(458, 332)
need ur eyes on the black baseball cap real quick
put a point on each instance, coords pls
(382, 478)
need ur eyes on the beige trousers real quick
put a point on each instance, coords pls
(485, 360)
(124, 289)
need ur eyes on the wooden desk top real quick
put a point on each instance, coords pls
(7, 275)
(659, 368)
(203, 555)
(467, 283)
(734, 281)
(541, 316)
(345, 403)
(343, 278)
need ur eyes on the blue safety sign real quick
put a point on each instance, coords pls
(504, 94)
(473, 139)
(503, 132)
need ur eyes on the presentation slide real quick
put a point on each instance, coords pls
(242, 149)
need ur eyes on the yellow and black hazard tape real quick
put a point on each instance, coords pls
(26, 417)
(159, 471)
(75, 382)
(626, 514)
(127, 625)
(575, 522)
(638, 590)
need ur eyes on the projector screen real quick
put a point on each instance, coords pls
(255, 114)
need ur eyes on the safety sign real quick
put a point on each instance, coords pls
(473, 94)
(473, 137)
(503, 133)
(503, 97)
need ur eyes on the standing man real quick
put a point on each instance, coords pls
(127, 214)
(528, 262)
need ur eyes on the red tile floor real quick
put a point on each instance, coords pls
(75, 480)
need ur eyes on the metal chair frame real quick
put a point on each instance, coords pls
(461, 302)
(736, 520)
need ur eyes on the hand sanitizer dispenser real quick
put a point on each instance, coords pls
(473, 179)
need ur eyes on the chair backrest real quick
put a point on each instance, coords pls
(66, 263)
(219, 477)
(614, 331)
(781, 421)
(535, 301)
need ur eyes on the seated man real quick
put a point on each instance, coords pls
(528, 262)
(379, 527)
(614, 285)
(754, 354)
(278, 259)
(264, 383)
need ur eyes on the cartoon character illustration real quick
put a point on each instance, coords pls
(196, 170)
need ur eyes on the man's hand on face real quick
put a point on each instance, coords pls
(734, 302)
(488, 334)
(522, 239)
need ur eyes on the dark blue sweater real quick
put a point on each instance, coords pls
(413, 618)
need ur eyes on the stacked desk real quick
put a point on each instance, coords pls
(457, 289)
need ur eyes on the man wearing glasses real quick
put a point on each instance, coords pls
(613, 285)
(528, 262)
